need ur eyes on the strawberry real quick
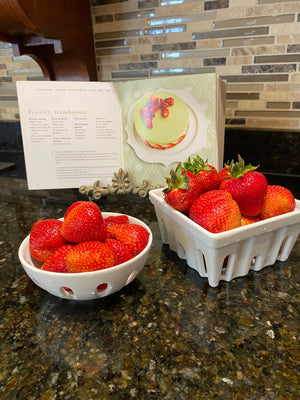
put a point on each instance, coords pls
(279, 200)
(216, 211)
(73, 205)
(224, 174)
(121, 251)
(246, 186)
(84, 223)
(206, 174)
(182, 190)
(249, 220)
(56, 262)
(134, 236)
(89, 256)
(45, 237)
(116, 219)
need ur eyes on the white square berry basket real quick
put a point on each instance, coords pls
(231, 254)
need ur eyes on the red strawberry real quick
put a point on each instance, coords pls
(116, 219)
(89, 256)
(57, 261)
(73, 205)
(134, 236)
(224, 174)
(45, 238)
(182, 190)
(216, 211)
(121, 251)
(249, 220)
(206, 174)
(279, 200)
(246, 186)
(84, 223)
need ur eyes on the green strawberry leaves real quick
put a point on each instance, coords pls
(177, 179)
(239, 169)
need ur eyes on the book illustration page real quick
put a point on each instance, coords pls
(153, 143)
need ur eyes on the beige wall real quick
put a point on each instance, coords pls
(254, 44)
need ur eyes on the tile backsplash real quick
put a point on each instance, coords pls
(253, 44)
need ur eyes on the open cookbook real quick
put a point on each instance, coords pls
(75, 133)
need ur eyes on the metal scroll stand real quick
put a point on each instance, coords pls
(121, 184)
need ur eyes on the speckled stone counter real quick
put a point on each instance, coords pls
(167, 335)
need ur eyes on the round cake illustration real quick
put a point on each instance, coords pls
(161, 120)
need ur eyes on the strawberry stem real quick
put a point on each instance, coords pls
(238, 169)
(178, 179)
(196, 165)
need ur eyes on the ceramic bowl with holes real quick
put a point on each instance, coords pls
(85, 285)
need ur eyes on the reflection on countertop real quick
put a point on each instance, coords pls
(167, 335)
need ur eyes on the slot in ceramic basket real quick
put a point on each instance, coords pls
(250, 247)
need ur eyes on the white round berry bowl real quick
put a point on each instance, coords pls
(85, 285)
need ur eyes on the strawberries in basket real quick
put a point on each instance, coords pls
(237, 195)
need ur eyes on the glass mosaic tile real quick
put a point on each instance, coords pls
(250, 41)
(118, 34)
(180, 19)
(251, 21)
(250, 31)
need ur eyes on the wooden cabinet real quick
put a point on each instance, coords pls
(58, 34)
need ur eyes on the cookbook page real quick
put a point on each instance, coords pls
(71, 132)
(155, 140)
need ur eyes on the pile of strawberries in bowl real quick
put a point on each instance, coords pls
(219, 201)
(87, 254)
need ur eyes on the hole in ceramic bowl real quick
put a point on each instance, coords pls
(100, 289)
(67, 292)
(131, 277)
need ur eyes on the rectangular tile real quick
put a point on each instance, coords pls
(296, 105)
(268, 68)
(175, 28)
(135, 15)
(280, 58)
(174, 46)
(242, 96)
(118, 34)
(130, 74)
(113, 51)
(249, 41)
(181, 71)
(102, 19)
(181, 19)
(150, 57)
(110, 43)
(267, 113)
(255, 50)
(293, 48)
(235, 121)
(135, 66)
(249, 31)
(257, 78)
(148, 4)
(215, 4)
(278, 104)
(154, 31)
(106, 2)
(246, 87)
(8, 98)
(251, 21)
(195, 54)
(214, 61)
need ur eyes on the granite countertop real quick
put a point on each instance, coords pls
(167, 335)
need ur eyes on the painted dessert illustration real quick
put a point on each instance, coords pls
(161, 120)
